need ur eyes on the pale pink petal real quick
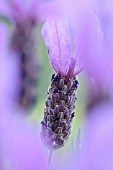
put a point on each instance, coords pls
(104, 11)
(78, 68)
(88, 36)
(57, 39)
(87, 33)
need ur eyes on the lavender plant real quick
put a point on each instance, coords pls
(61, 97)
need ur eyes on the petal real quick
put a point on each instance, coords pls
(78, 69)
(57, 39)
(89, 37)
(86, 32)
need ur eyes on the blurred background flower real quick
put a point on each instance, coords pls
(19, 140)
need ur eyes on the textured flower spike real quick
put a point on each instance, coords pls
(61, 97)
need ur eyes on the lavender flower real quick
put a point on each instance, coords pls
(61, 96)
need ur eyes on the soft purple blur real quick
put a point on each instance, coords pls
(97, 144)
(20, 145)
(8, 79)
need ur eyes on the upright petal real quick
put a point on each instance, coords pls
(86, 32)
(56, 35)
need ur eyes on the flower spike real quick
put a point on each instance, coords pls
(61, 97)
